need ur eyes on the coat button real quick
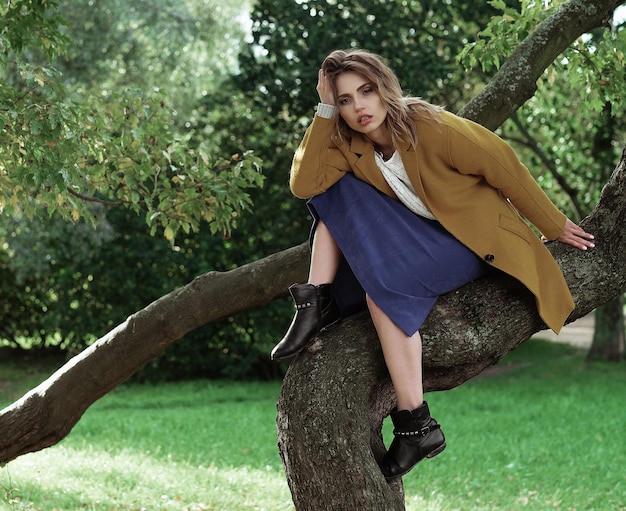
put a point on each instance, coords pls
(489, 258)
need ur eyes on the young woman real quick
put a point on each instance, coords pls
(410, 202)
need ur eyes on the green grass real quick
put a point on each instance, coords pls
(186, 446)
(545, 434)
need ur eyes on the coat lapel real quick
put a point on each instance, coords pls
(365, 166)
(366, 169)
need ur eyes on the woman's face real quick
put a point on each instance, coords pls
(360, 105)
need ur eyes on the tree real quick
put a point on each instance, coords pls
(348, 373)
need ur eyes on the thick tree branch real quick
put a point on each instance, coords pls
(47, 413)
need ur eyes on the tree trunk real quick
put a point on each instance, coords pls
(608, 335)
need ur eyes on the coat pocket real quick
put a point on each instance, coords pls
(515, 226)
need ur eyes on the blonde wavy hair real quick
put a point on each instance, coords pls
(402, 111)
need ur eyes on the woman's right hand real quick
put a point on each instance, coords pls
(325, 89)
(576, 236)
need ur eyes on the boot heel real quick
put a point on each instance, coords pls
(434, 453)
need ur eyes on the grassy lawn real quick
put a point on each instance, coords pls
(546, 434)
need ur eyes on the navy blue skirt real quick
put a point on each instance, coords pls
(403, 261)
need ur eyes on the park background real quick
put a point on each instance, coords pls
(233, 78)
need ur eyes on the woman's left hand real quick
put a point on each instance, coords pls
(576, 236)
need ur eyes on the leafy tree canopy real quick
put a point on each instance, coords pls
(64, 148)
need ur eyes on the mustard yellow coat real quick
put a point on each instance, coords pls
(472, 181)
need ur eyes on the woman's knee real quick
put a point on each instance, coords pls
(323, 240)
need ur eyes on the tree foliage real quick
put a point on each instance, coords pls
(98, 130)
(63, 150)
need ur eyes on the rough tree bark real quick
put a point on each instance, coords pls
(340, 401)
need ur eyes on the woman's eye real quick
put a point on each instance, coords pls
(367, 91)
(344, 101)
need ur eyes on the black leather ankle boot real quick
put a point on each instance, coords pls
(416, 436)
(315, 309)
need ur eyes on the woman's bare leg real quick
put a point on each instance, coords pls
(416, 434)
(403, 356)
(325, 256)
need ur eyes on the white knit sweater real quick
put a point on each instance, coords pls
(394, 173)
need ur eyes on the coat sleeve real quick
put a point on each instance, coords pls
(317, 163)
(475, 150)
